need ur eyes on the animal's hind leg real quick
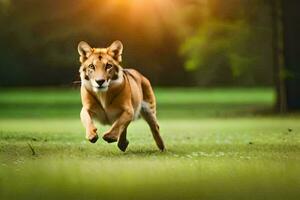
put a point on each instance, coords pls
(150, 118)
(123, 142)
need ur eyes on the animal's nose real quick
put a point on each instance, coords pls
(100, 82)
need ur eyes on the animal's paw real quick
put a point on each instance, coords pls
(92, 135)
(110, 137)
(93, 139)
(123, 145)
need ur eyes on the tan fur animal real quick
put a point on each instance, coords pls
(113, 95)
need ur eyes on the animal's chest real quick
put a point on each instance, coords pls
(106, 113)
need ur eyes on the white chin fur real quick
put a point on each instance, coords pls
(102, 89)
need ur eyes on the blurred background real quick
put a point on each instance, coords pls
(175, 43)
(222, 70)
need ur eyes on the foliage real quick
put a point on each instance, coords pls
(227, 42)
(230, 47)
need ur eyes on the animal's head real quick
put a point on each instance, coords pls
(100, 67)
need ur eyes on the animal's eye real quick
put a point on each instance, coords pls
(108, 66)
(91, 66)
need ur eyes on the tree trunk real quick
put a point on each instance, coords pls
(278, 63)
(291, 33)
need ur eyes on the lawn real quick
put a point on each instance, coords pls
(221, 144)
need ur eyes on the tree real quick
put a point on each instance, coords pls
(286, 49)
(278, 65)
(231, 45)
(291, 32)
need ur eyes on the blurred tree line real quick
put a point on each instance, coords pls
(173, 42)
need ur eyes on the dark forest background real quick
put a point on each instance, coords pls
(173, 42)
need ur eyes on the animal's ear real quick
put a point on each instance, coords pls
(115, 50)
(84, 51)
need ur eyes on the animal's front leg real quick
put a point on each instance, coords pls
(123, 142)
(91, 130)
(118, 127)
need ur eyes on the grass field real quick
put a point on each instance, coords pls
(221, 144)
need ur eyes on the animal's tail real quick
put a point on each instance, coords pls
(148, 95)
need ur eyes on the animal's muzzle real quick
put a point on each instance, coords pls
(100, 82)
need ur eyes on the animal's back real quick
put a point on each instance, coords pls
(148, 97)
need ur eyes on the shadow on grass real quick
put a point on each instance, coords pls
(145, 152)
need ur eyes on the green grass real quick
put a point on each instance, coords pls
(218, 147)
(172, 103)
